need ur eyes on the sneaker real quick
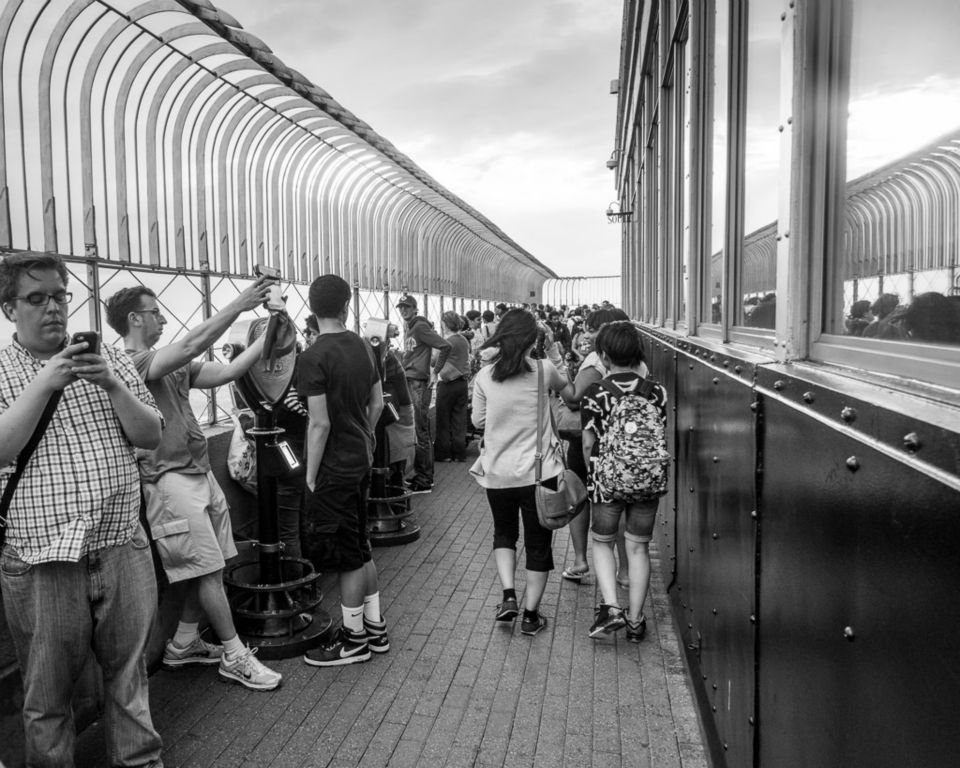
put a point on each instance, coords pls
(608, 618)
(198, 652)
(533, 626)
(345, 647)
(248, 671)
(507, 610)
(417, 487)
(377, 639)
(635, 632)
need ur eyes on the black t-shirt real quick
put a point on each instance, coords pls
(340, 366)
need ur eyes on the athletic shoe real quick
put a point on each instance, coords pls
(248, 671)
(377, 639)
(417, 487)
(608, 618)
(198, 652)
(533, 626)
(635, 632)
(507, 610)
(345, 647)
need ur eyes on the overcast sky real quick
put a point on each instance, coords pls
(504, 102)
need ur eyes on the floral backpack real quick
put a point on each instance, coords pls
(633, 462)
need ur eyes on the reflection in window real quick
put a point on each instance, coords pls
(718, 145)
(758, 267)
(898, 260)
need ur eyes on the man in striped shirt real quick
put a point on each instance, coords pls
(76, 570)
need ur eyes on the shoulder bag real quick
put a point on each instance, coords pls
(23, 458)
(555, 508)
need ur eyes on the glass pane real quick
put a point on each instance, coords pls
(758, 267)
(718, 145)
(898, 256)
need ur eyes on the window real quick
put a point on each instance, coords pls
(761, 166)
(719, 69)
(895, 270)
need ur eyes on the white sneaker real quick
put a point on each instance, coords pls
(248, 671)
(198, 652)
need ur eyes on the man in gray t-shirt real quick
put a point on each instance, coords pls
(186, 509)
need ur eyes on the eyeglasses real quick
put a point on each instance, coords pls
(38, 299)
(155, 312)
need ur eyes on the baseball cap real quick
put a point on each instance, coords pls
(407, 301)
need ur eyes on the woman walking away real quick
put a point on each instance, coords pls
(451, 442)
(626, 471)
(505, 397)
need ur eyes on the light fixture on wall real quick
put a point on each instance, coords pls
(614, 158)
(615, 215)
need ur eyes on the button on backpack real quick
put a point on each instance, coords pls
(632, 462)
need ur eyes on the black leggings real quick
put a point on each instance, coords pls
(537, 540)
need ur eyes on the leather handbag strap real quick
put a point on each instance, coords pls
(539, 454)
(23, 458)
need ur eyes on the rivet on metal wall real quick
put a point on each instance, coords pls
(751, 720)
(911, 442)
(754, 405)
(691, 489)
(716, 459)
(779, 384)
(738, 369)
(849, 634)
(853, 463)
(726, 363)
(713, 358)
(691, 366)
(714, 686)
(716, 380)
(714, 707)
(716, 536)
(808, 397)
(753, 619)
(753, 514)
(848, 414)
(714, 611)
(725, 747)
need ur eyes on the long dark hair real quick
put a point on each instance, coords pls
(515, 334)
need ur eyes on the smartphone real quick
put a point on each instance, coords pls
(93, 342)
(264, 271)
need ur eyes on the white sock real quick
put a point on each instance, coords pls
(233, 647)
(371, 608)
(187, 632)
(353, 618)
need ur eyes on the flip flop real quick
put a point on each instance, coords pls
(576, 572)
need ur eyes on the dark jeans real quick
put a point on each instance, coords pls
(421, 394)
(451, 440)
(537, 540)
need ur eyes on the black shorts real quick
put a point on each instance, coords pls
(333, 527)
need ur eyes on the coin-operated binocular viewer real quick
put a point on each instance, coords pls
(275, 599)
(389, 520)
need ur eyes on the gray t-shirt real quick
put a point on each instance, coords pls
(183, 447)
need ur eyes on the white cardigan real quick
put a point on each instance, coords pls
(507, 413)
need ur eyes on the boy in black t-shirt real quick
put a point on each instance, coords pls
(338, 377)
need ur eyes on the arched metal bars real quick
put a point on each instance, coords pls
(176, 165)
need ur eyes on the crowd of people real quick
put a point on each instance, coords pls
(91, 429)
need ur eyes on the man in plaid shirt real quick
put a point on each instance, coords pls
(76, 570)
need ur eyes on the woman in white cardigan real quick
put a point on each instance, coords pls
(505, 407)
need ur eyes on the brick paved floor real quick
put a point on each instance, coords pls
(455, 689)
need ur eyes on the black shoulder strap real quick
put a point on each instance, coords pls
(23, 458)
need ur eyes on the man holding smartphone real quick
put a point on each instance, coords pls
(76, 569)
(186, 509)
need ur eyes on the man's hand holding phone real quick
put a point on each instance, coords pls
(87, 362)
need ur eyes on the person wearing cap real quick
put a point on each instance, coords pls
(419, 342)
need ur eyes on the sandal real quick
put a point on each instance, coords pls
(576, 573)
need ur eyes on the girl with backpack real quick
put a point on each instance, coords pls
(624, 446)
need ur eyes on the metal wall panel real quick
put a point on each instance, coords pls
(715, 498)
(858, 657)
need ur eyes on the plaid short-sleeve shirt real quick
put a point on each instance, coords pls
(80, 491)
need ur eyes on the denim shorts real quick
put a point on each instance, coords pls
(641, 516)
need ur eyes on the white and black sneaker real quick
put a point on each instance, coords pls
(247, 670)
(345, 647)
(377, 638)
